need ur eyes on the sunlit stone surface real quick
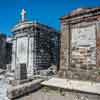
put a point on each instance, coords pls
(3, 89)
(49, 94)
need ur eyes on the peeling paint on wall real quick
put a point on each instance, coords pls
(84, 46)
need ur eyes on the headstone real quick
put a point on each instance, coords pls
(21, 72)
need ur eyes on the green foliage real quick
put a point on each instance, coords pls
(62, 92)
(45, 89)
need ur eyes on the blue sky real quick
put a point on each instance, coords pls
(45, 11)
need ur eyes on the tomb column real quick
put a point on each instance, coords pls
(65, 50)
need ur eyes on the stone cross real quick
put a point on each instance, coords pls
(23, 14)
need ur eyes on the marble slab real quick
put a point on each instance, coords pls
(84, 86)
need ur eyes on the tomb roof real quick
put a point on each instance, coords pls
(80, 11)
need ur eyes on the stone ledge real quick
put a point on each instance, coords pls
(22, 89)
(83, 86)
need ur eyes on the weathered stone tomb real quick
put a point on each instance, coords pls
(32, 45)
(80, 44)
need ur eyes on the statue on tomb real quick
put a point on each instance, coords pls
(23, 14)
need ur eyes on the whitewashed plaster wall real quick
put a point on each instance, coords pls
(13, 55)
(30, 64)
(22, 45)
(22, 53)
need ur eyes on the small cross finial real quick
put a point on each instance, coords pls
(23, 14)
